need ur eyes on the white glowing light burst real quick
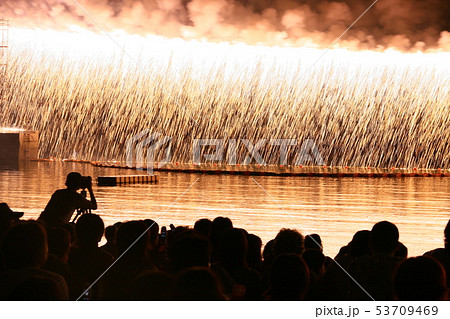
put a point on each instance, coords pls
(81, 44)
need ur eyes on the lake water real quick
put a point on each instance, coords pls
(335, 208)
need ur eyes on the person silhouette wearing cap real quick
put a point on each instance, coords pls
(7, 218)
(64, 202)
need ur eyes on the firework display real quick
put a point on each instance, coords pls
(377, 109)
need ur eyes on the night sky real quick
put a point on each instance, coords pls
(403, 24)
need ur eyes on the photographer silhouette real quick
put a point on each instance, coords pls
(64, 202)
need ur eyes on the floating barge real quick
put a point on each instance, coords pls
(126, 179)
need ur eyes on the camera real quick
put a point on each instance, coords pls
(85, 181)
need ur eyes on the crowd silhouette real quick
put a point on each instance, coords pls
(214, 260)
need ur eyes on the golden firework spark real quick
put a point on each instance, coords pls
(377, 109)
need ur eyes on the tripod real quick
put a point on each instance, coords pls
(81, 211)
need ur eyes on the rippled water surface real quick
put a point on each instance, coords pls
(335, 208)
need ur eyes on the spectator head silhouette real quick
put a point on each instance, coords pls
(420, 278)
(359, 245)
(288, 278)
(7, 214)
(383, 238)
(401, 250)
(89, 229)
(188, 249)
(7, 218)
(447, 235)
(218, 227)
(70, 227)
(154, 231)
(25, 245)
(110, 233)
(313, 241)
(315, 259)
(203, 226)
(254, 259)
(233, 248)
(288, 241)
(59, 242)
(197, 284)
(268, 255)
(127, 234)
(74, 180)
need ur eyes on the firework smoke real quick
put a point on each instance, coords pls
(400, 24)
